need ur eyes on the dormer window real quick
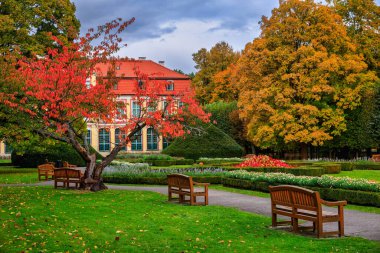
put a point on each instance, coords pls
(141, 83)
(115, 86)
(118, 67)
(170, 86)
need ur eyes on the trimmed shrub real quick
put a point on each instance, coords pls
(212, 143)
(347, 166)
(367, 166)
(330, 168)
(184, 162)
(53, 152)
(218, 161)
(164, 163)
(298, 171)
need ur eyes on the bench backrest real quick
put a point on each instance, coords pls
(293, 196)
(179, 180)
(72, 173)
(66, 173)
(46, 166)
(60, 173)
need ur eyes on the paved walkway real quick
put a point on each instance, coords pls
(357, 223)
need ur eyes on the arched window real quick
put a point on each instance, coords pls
(137, 141)
(120, 135)
(152, 139)
(104, 140)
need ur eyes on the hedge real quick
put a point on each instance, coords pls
(298, 171)
(330, 168)
(54, 152)
(352, 196)
(366, 166)
(213, 142)
(157, 180)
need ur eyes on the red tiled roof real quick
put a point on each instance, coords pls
(127, 73)
(151, 68)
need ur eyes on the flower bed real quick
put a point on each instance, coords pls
(263, 161)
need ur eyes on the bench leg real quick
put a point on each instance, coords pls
(341, 221)
(274, 220)
(295, 225)
(319, 228)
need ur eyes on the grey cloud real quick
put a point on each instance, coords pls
(151, 14)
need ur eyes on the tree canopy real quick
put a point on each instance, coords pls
(209, 63)
(300, 77)
(54, 93)
(27, 24)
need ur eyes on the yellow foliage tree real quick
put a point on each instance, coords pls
(300, 76)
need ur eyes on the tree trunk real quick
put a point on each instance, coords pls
(90, 182)
(304, 151)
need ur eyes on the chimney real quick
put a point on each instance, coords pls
(142, 58)
(161, 62)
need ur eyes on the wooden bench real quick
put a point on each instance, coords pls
(376, 158)
(45, 170)
(183, 186)
(67, 176)
(300, 203)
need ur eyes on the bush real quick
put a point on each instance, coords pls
(52, 152)
(215, 161)
(299, 171)
(164, 163)
(367, 166)
(347, 166)
(324, 181)
(212, 143)
(157, 180)
(184, 162)
(330, 168)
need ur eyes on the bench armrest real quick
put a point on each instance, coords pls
(334, 203)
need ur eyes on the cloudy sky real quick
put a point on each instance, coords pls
(172, 30)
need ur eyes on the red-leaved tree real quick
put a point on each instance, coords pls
(56, 96)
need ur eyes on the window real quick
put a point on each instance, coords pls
(120, 113)
(88, 137)
(118, 67)
(152, 139)
(166, 142)
(136, 109)
(165, 107)
(137, 141)
(104, 140)
(120, 135)
(180, 103)
(152, 106)
(8, 148)
(170, 86)
(115, 85)
(141, 83)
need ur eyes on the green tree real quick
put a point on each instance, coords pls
(225, 115)
(362, 19)
(300, 77)
(26, 24)
(209, 63)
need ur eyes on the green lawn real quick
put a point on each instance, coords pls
(41, 219)
(5, 161)
(12, 175)
(357, 174)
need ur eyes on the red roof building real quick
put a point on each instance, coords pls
(103, 137)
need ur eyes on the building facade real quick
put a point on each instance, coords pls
(103, 137)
